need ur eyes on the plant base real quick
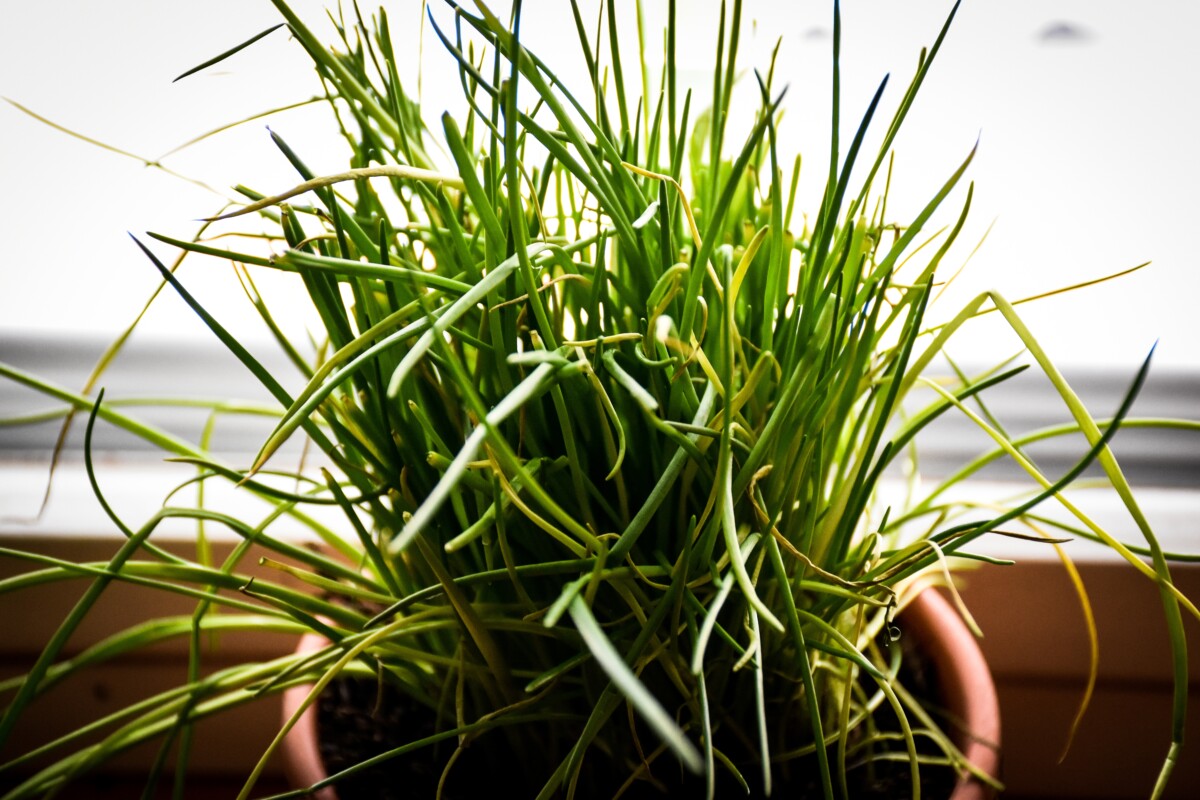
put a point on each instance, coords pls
(363, 724)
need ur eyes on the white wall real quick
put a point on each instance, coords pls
(1087, 159)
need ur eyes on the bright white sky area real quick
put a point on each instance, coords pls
(1086, 115)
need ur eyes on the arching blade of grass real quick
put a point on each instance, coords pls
(262, 374)
(629, 685)
(231, 51)
(81, 608)
(1113, 471)
(148, 162)
(394, 171)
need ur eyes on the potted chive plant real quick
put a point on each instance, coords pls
(606, 422)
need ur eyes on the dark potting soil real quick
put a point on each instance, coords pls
(356, 724)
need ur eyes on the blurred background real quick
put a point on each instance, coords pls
(1085, 112)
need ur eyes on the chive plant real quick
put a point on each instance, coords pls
(606, 428)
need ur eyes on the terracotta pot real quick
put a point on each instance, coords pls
(965, 683)
(301, 753)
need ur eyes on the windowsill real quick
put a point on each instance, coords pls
(135, 487)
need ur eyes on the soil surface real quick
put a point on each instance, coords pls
(356, 723)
